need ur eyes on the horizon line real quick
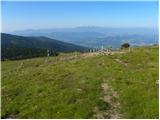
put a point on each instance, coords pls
(34, 29)
(79, 1)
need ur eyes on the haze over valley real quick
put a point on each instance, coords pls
(95, 37)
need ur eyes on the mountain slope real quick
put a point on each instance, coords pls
(9, 40)
(18, 47)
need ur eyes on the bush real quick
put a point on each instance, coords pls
(125, 45)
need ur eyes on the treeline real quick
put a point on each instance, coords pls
(15, 53)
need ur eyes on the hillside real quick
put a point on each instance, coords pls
(9, 40)
(16, 43)
(87, 85)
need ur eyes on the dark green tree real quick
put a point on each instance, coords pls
(125, 45)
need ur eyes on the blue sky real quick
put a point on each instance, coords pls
(39, 15)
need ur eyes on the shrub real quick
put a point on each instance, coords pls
(125, 45)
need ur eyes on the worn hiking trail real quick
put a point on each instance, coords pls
(112, 105)
(121, 62)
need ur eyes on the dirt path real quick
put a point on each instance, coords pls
(102, 53)
(112, 105)
(121, 62)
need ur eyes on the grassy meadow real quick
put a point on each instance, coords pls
(69, 85)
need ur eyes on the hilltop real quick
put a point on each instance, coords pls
(83, 85)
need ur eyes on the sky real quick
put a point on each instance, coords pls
(44, 15)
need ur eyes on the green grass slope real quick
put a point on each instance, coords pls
(69, 86)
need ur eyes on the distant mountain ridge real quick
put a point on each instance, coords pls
(106, 30)
(95, 37)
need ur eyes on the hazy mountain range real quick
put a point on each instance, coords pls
(97, 36)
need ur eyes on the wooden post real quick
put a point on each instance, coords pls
(102, 48)
(48, 52)
(76, 54)
(107, 50)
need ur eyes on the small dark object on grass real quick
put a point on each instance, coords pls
(125, 45)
